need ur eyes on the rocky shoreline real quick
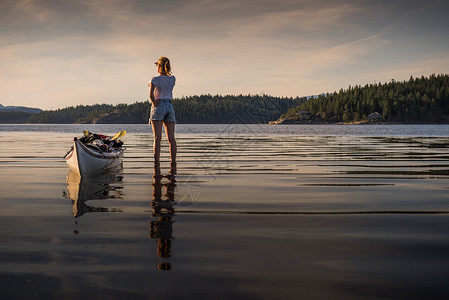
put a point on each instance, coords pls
(319, 121)
(283, 121)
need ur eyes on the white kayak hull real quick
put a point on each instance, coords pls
(86, 161)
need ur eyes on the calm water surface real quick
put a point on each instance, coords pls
(256, 211)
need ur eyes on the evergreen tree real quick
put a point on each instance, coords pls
(420, 100)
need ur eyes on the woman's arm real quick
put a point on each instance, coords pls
(153, 100)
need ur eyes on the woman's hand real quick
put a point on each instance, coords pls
(154, 101)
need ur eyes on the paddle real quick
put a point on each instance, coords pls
(118, 135)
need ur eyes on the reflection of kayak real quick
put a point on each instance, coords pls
(94, 187)
(91, 158)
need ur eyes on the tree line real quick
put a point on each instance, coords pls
(418, 100)
(14, 117)
(204, 109)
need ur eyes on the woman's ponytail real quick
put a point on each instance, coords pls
(164, 62)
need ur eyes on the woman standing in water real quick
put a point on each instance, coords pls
(162, 112)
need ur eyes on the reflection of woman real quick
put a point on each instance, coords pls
(162, 112)
(163, 210)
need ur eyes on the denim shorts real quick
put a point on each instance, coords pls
(163, 112)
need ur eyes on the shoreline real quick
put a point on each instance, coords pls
(293, 122)
(354, 123)
(319, 121)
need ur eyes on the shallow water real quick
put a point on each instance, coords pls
(256, 212)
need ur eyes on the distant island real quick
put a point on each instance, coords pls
(418, 100)
(16, 114)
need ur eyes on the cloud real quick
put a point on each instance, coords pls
(55, 53)
(432, 63)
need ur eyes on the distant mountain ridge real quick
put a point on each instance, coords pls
(17, 114)
(315, 96)
(20, 109)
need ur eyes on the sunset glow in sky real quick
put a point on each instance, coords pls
(55, 54)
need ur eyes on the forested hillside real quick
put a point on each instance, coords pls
(418, 100)
(16, 114)
(204, 109)
(99, 113)
(14, 117)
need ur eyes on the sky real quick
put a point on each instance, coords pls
(55, 54)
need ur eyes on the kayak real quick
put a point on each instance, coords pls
(94, 154)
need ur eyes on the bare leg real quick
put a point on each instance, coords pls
(157, 134)
(170, 132)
